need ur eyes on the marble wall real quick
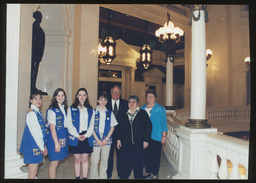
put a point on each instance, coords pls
(228, 38)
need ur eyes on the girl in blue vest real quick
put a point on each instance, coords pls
(80, 121)
(101, 140)
(57, 133)
(33, 141)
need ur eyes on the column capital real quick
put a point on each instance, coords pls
(198, 7)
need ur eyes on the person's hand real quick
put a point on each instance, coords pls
(57, 147)
(163, 140)
(118, 144)
(99, 142)
(145, 145)
(44, 152)
(105, 141)
(81, 137)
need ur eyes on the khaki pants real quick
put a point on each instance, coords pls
(99, 154)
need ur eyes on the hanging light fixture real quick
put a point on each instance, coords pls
(109, 44)
(101, 51)
(145, 52)
(169, 35)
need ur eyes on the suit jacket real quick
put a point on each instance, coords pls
(123, 108)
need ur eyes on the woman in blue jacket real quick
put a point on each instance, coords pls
(80, 121)
(57, 133)
(34, 137)
(157, 116)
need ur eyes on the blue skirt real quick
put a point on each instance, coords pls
(57, 156)
(32, 158)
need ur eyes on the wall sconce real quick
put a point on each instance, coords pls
(208, 55)
(247, 61)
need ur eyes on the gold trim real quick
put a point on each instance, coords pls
(198, 123)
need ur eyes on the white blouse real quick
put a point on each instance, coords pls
(113, 121)
(83, 126)
(148, 111)
(34, 127)
(51, 116)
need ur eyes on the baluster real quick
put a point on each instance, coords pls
(175, 145)
(177, 149)
(171, 144)
(223, 170)
(234, 158)
(235, 171)
(213, 165)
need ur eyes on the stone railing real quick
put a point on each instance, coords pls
(206, 153)
(229, 157)
(179, 54)
(224, 118)
(171, 148)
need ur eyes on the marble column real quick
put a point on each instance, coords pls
(18, 55)
(198, 72)
(169, 84)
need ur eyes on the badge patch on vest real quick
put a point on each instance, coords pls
(36, 152)
(62, 142)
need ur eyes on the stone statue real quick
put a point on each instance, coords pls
(38, 44)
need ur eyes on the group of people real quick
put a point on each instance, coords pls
(135, 134)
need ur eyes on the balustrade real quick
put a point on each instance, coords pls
(229, 155)
(171, 148)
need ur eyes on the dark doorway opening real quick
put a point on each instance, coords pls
(104, 87)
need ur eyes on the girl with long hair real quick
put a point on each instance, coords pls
(33, 141)
(80, 121)
(57, 134)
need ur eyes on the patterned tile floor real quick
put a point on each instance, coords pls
(66, 169)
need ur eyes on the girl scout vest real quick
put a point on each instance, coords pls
(92, 141)
(28, 144)
(60, 130)
(75, 116)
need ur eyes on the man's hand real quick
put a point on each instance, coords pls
(118, 144)
(145, 145)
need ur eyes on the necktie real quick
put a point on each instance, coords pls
(115, 109)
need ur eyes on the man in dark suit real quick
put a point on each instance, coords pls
(119, 107)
